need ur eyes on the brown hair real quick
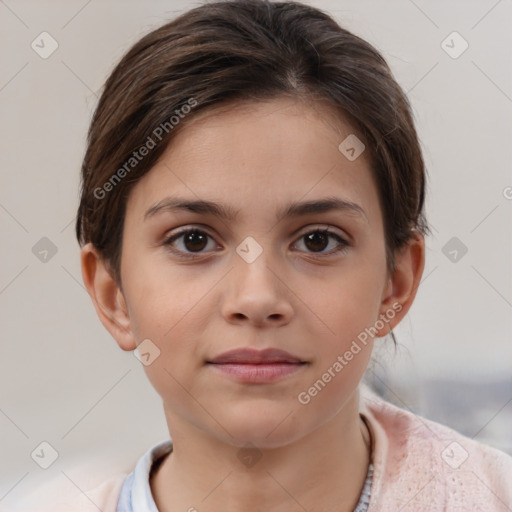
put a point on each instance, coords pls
(238, 50)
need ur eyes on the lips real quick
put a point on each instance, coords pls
(255, 357)
(249, 366)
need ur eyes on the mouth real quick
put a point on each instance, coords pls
(252, 356)
(256, 366)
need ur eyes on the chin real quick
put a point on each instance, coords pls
(264, 427)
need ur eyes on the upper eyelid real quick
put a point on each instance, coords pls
(307, 229)
(344, 239)
(298, 234)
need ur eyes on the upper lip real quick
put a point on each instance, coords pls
(253, 356)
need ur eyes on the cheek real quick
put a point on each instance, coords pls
(163, 296)
(326, 395)
(176, 335)
(350, 301)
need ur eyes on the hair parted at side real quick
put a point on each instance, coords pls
(244, 50)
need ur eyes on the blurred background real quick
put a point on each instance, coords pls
(65, 382)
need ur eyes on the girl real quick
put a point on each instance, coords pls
(251, 222)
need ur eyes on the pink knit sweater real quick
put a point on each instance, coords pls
(419, 465)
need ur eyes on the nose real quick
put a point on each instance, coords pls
(257, 295)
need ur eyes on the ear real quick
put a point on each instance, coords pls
(107, 297)
(402, 286)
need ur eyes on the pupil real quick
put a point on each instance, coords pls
(316, 241)
(195, 241)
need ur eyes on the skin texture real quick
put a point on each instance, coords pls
(256, 158)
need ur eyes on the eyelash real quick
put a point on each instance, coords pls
(344, 245)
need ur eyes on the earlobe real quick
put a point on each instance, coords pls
(402, 286)
(107, 297)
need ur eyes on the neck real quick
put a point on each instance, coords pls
(324, 470)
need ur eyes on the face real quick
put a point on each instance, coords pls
(270, 239)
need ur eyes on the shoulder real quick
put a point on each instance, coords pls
(421, 463)
(103, 497)
(106, 496)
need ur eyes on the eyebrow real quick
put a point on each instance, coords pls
(296, 209)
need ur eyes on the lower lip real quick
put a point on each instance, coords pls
(258, 373)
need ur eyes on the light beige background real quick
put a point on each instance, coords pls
(63, 378)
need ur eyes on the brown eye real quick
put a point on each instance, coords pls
(316, 241)
(195, 240)
(321, 242)
(190, 241)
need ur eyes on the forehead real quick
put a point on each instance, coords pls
(255, 156)
(279, 124)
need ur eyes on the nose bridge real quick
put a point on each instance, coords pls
(253, 269)
(256, 293)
